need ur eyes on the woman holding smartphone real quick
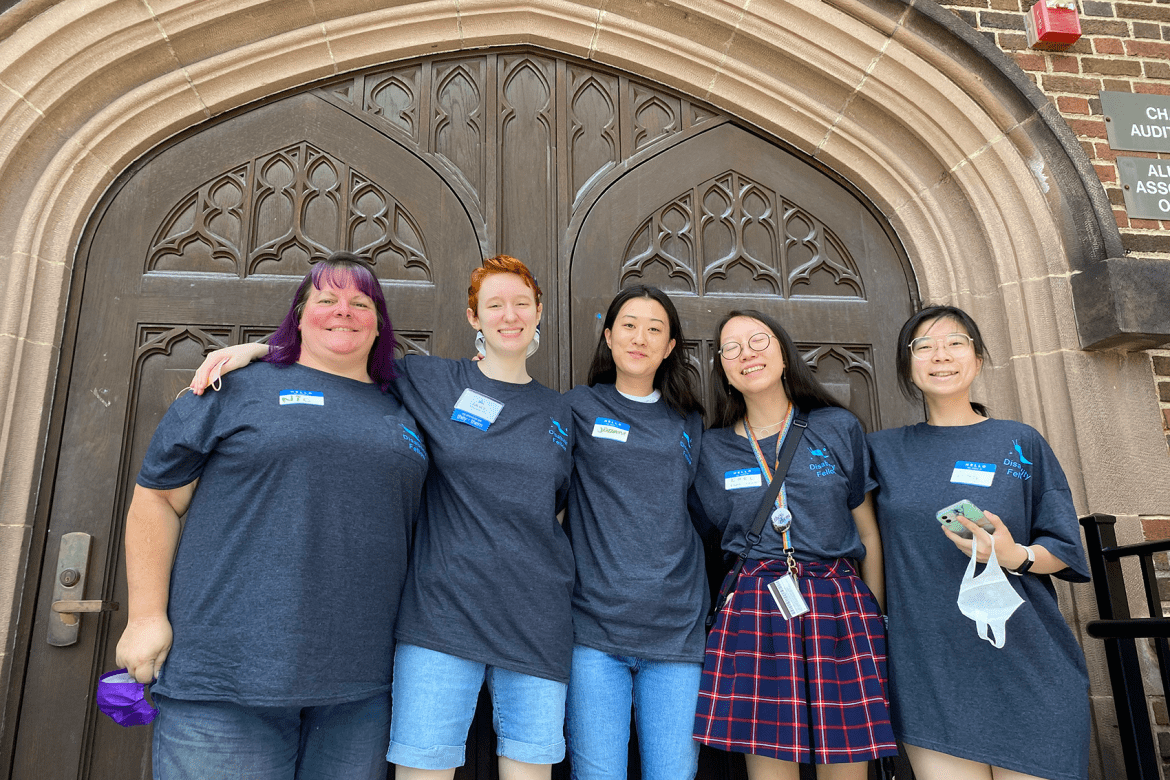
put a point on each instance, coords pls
(799, 678)
(1015, 705)
(641, 590)
(488, 593)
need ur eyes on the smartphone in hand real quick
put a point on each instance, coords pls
(949, 517)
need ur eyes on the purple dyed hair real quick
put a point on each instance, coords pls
(338, 270)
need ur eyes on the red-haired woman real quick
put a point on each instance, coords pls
(491, 579)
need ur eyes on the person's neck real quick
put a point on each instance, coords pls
(638, 387)
(505, 368)
(347, 369)
(952, 412)
(765, 411)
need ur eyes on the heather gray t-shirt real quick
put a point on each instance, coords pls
(828, 477)
(286, 583)
(641, 582)
(491, 577)
(1024, 706)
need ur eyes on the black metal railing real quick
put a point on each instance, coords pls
(1119, 632)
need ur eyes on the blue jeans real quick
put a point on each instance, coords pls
(602, 688)
(198, 740)
(434, 703)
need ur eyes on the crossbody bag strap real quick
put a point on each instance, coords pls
(763, 513)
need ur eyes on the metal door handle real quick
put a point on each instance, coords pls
(69, 588)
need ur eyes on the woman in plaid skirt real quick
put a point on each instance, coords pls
(795, 673)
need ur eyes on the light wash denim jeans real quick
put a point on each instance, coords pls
(195, 740)
(663, 694)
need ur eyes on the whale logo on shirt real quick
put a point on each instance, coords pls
(1016, 447)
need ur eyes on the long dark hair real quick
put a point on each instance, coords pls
(800, 383)
(932, 314)
(338, 270)
(676, 378)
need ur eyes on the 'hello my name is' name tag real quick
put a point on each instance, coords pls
(310, 397)
(969, 473)
(742, 478)
(605, 428)
(476, 409)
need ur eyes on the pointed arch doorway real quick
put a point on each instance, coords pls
(596, 178)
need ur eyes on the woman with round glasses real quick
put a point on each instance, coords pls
(1016, 705)
(791, 679)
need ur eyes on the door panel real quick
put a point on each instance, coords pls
(726, 220)
(203, 247)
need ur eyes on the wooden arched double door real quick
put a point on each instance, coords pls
(596, 179)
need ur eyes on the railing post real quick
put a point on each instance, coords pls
(1125, 674)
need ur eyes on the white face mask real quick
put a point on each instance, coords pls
(988, 599)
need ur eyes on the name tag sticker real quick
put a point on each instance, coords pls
(969, 473)
(605, 428)
(476, 409)
(311, 397)
(742, 478)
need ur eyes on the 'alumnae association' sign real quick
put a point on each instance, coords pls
(1145, 186)
(1137, 123)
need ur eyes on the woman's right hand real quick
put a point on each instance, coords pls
(144, 646)
(223, 361)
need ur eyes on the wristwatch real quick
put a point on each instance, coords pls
(1027, 564)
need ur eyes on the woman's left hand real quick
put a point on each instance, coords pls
(1001, 538)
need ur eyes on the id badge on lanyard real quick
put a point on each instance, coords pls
(785, 590)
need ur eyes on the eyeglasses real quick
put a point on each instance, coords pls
(757, 343)
(955, 345)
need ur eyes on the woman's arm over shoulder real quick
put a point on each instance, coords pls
(224, 361)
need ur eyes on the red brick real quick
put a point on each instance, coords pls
(1006, 5)
(1103, 152)
(1113, 85)
(1121, 218)
(1165, 422)
(1157, 70)
(1011, 42)
(1106, 172)
(1148, 11)
(1150, 49)
(1154, 528)
(1144, 224)
(1071, 84)
(1111, 67)
(1073, 105)
(1062, 63)
(1152, 89)
(1093, 128)
(1109, 46)
(1030, 62)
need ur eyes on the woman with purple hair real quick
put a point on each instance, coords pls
(267, 617)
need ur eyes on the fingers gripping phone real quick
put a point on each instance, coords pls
(949, 517)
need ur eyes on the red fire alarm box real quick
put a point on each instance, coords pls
(1053, 25)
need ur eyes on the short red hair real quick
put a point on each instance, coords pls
(500, 264)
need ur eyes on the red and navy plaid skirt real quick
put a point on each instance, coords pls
(811, 689)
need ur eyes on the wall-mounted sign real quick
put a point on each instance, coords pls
(1137, 123)
(1145, 183)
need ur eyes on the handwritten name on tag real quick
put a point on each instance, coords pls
(311, 397)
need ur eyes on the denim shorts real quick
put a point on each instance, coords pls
(434, 702)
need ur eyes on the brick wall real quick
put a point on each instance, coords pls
(1124, 47)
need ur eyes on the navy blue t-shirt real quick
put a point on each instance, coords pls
(828, 477)
(286, 582)
(1024, 706)
(641, 581)
(491, 576)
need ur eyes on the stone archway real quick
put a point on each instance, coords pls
(984, 185)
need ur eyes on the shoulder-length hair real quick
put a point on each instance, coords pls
(500, 264)
(338, 270)
(800, 383)
(932, 314)
(676, 378)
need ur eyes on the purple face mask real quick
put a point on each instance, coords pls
(121, 697)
